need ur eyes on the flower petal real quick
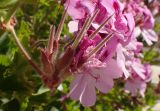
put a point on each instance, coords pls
(88, 96)
(112, 64)
(73, 26)
(77, 86)
(121, 60)
(104, 84)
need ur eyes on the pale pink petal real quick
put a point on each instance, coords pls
(104, 84)
(137, 31)
(139, 69)
(135, 86)
(77, 86)
(121, 60)
(88, 96)
(110, 49)
(73, 11)
(143, 89)
(113, 69)
(121, 24)
(90, 5)
(108, 4)
(130, 21)
(131, 87)
(149, 36)
(73, 26)
(76, 13)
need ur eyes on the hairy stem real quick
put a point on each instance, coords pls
(24, 52)
(51, 39)
(59, 30)
(57, 35)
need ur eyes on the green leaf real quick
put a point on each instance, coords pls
(4, 60)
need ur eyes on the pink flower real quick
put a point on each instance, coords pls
(82, 47)
(109, 50)
(78, 9)
(127, 61)
(136, 85)
(149, 36)
(121, 60)
(138, 68)
(95, 70)
(93, 74)
(144, 20)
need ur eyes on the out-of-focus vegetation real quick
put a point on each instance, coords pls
(21, 88)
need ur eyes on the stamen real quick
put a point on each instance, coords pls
(100, 45)
(100, 27)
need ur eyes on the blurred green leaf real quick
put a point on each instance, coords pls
(6, 3)
(4, 60)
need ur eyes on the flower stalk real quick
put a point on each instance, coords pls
(58, 33)
(51, 39)
(22, 49)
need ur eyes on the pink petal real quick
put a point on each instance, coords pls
(139, 69)
(108, 4)
(121, 60)
(113, 69)
(135, 86)
(90, 5)
(110, 49)
(131, 22)
(149, 36)
(77, 86)
(88, 96)
(131, 87)
(104, 84)
(73, 11)
(73, 26)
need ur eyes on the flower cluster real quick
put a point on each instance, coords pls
(105, 48)
(109, 48)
